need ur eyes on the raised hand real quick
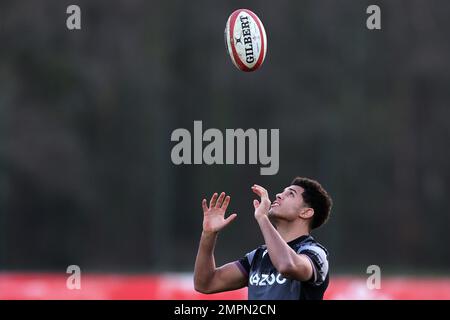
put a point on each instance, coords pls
(261, 208)
(214, 215)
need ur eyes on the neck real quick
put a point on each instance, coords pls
(289, 230)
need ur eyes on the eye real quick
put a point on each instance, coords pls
(291, 193)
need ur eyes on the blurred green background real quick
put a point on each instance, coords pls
(86, 116)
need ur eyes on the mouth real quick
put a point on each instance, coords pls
(275, 204)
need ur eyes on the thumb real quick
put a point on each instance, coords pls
(229, 219)
(256, 203)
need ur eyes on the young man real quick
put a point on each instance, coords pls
(291, 264)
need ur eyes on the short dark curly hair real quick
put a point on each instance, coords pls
(315, 196)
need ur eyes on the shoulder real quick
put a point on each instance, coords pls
(250, 256)
(310, 244)
(318, 255)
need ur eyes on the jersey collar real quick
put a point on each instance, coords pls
(299, 239)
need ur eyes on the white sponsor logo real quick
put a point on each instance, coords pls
(265, 279)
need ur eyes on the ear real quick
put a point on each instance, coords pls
(306, 213)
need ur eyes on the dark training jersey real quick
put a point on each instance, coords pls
(266, 283)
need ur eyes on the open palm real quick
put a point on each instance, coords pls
(214, 215)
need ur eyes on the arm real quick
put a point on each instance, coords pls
(289, 263)
(208, 278)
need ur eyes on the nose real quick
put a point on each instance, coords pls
(278, 196)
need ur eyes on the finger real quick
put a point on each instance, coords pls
(229, 219)
(226, 202)
(256, 190)
(204, 206)
(256, 203)
(219, 201)
(212, 203)
(261, 190)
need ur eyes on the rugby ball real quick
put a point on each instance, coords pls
(245, 40)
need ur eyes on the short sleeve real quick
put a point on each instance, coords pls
(245, 263)
(319, 260)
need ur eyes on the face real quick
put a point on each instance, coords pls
(288, 204)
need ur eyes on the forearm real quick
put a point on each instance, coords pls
(281, 255)
(205, 264)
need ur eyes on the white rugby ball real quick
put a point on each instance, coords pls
(245, 40)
